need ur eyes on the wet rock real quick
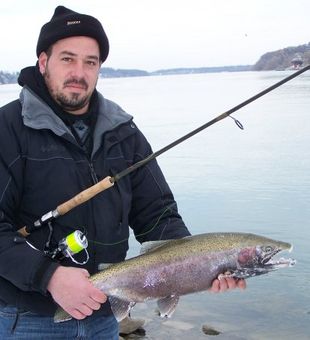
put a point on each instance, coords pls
(209, 330)
(131, 326)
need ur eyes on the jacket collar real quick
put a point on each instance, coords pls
(38, 115)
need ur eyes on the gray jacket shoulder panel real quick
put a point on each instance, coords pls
(113, 115)
(38, 115)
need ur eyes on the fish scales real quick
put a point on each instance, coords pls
(173, 268)
(168, 270)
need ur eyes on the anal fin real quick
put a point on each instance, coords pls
(120, 308)
(167, 305)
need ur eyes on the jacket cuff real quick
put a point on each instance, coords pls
(43, 275)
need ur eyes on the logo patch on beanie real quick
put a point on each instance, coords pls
(73, 22)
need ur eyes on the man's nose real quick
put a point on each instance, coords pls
(78, 69)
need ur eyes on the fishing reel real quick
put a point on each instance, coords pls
(69, 246)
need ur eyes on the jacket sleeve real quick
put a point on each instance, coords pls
(154, 213)
(20, 264)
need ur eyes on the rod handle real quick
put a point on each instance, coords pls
(23, 231)
(85, 195)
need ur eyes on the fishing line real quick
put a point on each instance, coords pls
(142, 234)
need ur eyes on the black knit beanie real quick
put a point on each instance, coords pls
(66, 23)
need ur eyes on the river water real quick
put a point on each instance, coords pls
(226, 179)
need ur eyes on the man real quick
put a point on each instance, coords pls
(60, 138)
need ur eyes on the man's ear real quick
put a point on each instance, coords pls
(42, 62)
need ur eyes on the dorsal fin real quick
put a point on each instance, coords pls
(104, 266)
(152, 245)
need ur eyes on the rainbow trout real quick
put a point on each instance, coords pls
(166, 270)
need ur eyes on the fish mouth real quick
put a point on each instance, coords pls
(268, 260)
(274, 264)
(264, 265)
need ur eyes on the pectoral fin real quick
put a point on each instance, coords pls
(167, 305)
(120, 308)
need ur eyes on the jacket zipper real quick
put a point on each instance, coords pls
(93, 173)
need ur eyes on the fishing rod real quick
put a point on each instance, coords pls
(109, 181)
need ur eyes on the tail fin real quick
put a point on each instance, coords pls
(61, 316)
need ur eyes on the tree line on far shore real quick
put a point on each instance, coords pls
(282, 59)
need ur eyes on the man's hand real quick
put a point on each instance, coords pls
(71, 289)
(226, 283)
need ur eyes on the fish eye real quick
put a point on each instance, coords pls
(268, 249)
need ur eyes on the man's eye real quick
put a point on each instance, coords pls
(91, 63)
(67, 59)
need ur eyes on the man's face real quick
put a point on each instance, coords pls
(71, 72)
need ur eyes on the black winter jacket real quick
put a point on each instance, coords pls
(42, 166)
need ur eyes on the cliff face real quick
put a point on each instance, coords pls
(284, 59)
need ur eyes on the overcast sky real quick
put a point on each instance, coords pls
(159, 34)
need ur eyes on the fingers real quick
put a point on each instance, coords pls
(215, 288)
(84, 311)
(92, 304)
(85, 308)
(241, 284)
(72, 290)
(227, 283)
(77, 314)
(98, 296)
(85, 272)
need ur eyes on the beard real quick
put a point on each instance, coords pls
(72, 101)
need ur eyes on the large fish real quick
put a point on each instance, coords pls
(167, 270)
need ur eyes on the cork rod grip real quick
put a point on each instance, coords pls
(85, 195)
(23, 231)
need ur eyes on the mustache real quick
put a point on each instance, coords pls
(80, 81)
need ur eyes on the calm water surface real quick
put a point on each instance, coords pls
(226, 179)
